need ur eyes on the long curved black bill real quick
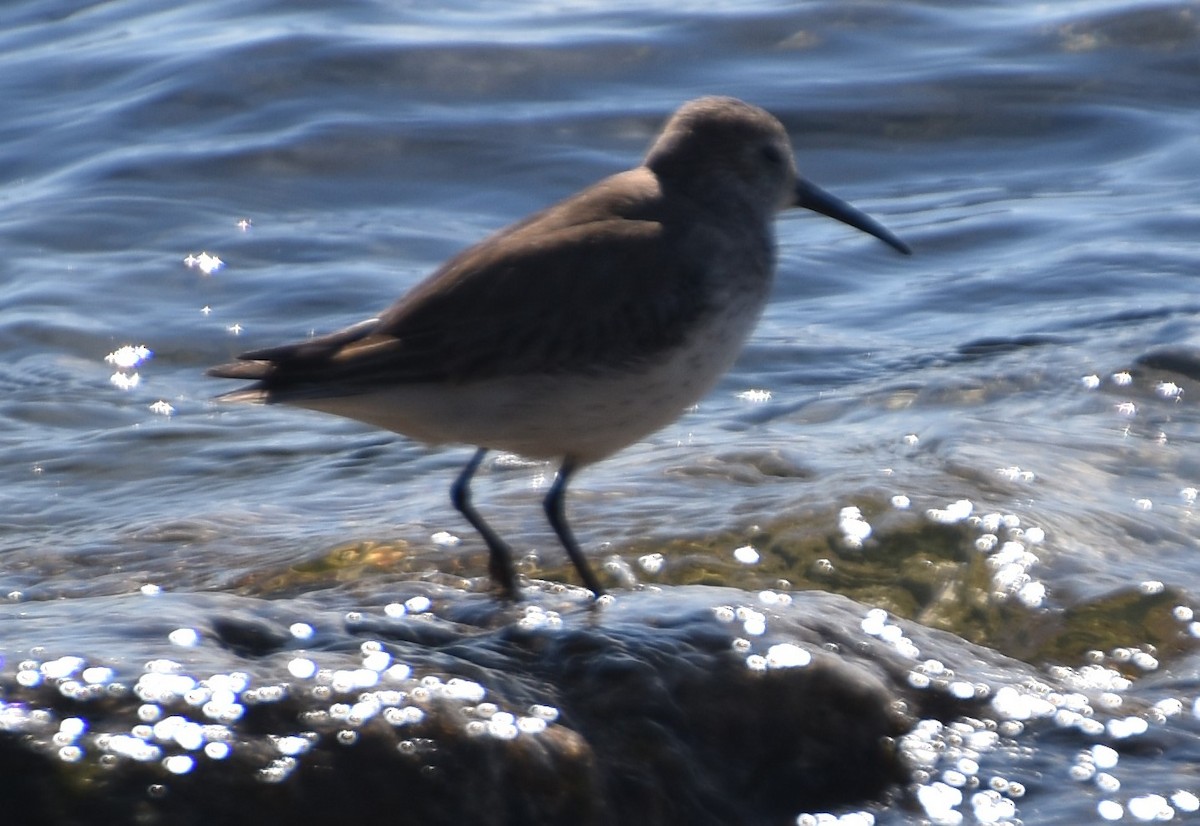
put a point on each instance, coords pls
(811, 196)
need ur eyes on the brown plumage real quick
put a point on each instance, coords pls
(581, 329)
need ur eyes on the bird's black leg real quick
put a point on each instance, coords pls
(500, 565)
(558, 520)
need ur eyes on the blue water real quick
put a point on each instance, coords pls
(1040, 159)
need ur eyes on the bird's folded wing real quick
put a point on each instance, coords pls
(581, 298)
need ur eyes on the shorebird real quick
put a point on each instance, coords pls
(580, 329)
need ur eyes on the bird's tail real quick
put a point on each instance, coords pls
(246, 370)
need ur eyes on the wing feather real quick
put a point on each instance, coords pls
(595, 283)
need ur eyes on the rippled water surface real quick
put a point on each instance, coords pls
(185, 181)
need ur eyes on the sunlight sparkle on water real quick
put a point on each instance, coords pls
(787, 655)
(409, 715)
(992, 807)
(941, 803)
(954, 512)
(187, 734)
(1186, 801)
(746, 555)
(468, 691)
(535, 617)
(544, 712)
(129, 746)
(72, 728)
(1149, 807)
(377, 661)
(828, 819)
(1032, 594)
(184, 637)
(162, 688)
(1104, 757)
(1127, 727)
(418, 605)
(97, 675)
(129, 356)
(874, 622)
(302, 668)
(207, 264)
(653, 563)
(123, 381)
(346, 680)
(855, 530)
(531, 725)
(61, 668)
(753, 622)
(291, 745)
(277, 770)
(179, 764)
(774, 598)
(1016, 704)
(1169, 707)
(503, 726)
(1169, 390)
(1015, 474)
(70, 754)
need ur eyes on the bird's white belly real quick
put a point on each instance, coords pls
(586, 416)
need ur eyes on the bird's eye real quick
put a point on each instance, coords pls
(771, 154)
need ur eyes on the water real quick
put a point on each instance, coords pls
(1039, 158)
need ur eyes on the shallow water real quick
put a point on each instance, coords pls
(1040, 159)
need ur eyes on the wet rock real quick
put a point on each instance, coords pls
(699, 705)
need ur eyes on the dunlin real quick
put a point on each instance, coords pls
(580, 329)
